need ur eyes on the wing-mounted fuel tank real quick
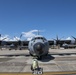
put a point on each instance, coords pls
(38, 46)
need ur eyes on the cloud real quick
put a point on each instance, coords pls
(68, 38)
(28, 35)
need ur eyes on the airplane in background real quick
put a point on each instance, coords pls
(60, 42)
(2, 42)
(72, 45)
(74, 39)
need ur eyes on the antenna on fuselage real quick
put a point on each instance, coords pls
(38, 32)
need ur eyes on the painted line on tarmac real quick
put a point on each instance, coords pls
(45, 73)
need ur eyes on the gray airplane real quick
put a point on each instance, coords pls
(38, 46)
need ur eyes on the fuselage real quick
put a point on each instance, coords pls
(38, 46)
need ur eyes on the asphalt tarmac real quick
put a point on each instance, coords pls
(57, 61)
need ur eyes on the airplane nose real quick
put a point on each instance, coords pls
(38, 48)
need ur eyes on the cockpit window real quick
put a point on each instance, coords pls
(42, 38)
(33, 39)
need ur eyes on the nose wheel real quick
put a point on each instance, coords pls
(40, 57)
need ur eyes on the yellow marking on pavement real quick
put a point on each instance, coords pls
(45, 73)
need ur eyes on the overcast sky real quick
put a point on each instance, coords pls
(52, 17)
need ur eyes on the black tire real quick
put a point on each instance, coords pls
(39, 58)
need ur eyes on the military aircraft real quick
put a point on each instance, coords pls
(57, 41)
(38, 46)
(72, 45)
(74, 39)
(19, 41)
(2, 42)
(69, 43)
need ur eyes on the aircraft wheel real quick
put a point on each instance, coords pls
(39, 58)
(46, 54)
